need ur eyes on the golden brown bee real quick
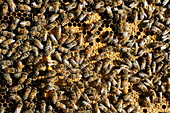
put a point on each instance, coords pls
(24, 7)
(6, 62)
(149, 58)
(88, 51)
(142, 87)
(103, 108)
(74, 63)
(15, 97)
(8, 78)
(2, 109)
(3, 26)
(65, 22)
(159, 59)
(60, 105)
(70, 39)
(4, 9)
(11, 5)
(96, 108)
(109, 11)
(8, 34)
(79, 9)
(23, 78)
(54, 97)
(63, 49)
(56, 6)
(52, 25)
(71, 6)
(33, 93)
(7, 42)
(53, 17)
(156, 30)
(92, 37)
(27, 92)
(23, 31)
(2, 38)
(98, 5)
(17, 88)
(38, 43)
(82, 15)
(25, 23)
(19, 107)
(43, 107)
(14, 24)
(50, 109)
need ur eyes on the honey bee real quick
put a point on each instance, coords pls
(17, 88)
(160, 25)
(92, 37)
(58, 56)
(82, 16)
(142, 87)
(49, 109)
(56, 6)
(96, 108)
(11, 5)
(24, 7)
(4, 9)
(14, 24)
(53, 17)
(3, 26)
(156, 30)
(79, 9)
(38, 43)
(54, 97)
(8, 34)
(65, 22)
(8, 78)
(58, 32)
(23, 31)
(53, 39)
(2, 38)
(2, 109)
(25, 55)
(71, 6)
(33, 93)
(60, 105)
(27, 92)
(159, 59)
(22, 37)
(98, 5)
(88, 105)
(43, 107)
(52, 25)
(74, 63)
(149, 58)
(19, 107)
(103, 108)
(63, 49)
(109, 11)
(159, 66)
(25, 23)
(7, 42)
(23, 78)
(160, 97)
(15, 97)
(165, 2)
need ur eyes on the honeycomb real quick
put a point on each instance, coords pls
(85, 56)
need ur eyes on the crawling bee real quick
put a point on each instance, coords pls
(14, 24)
(142, 87)
(109, 11)
(25, 23)
(96, 108)
(63, 49)
(56, 6)
(15, 97)
(3, 26)
(38, 43)
(74, 63)
(27, 92)
(23, 78)
(33, 93)
(60, 105)
(52, 25)
(82, 16)
(156, 30)
(43, 107)
(53, 17)
(54, 97)
(22, 31)
(4, 9)
(65, 22)
(50, 109)
(8, 34)
(17, 88)
(71, 6)
(98, 5)
(12, 5)
(19, 107)
(24, 7)
(8, 79)
(79, 9)
(2, 109)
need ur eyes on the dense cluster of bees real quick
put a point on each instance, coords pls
(50, 61)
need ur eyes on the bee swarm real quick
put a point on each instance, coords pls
(84, 56)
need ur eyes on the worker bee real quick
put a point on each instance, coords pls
(52, 25)
(54, 97)
(159, 59)
(7, 42)
(160, 97)
(43, 107)
(2, 38)
(109, 11)
(38, 43)
(56, 6)
(71, 6)
(65, 22)
(23, 31)
(8, 78)
(58, 56)
(14, 24)
(6, 62)
(27, 92)
(24, 7)
(79, 9)
(15, 97)
(74, 63)
(160, 25)
(82, 16)
(33, 93)
(92, 37)
(4, 9)
(25, 55)
(98, 5)
(17, 88)
(60, 105)
(53, 17)
(2, 109)
(53, 39)
(49, 109)
(156, 30)
(23, 78)
(19, 107)
(96, 108)
(25, 23)
(119, 105)
(3, 26)
(149, 58)
(70, 39)
(133, 4)
(142, 87)
(165, 2)
(11, 5)
(63, 49)
(8, 34)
